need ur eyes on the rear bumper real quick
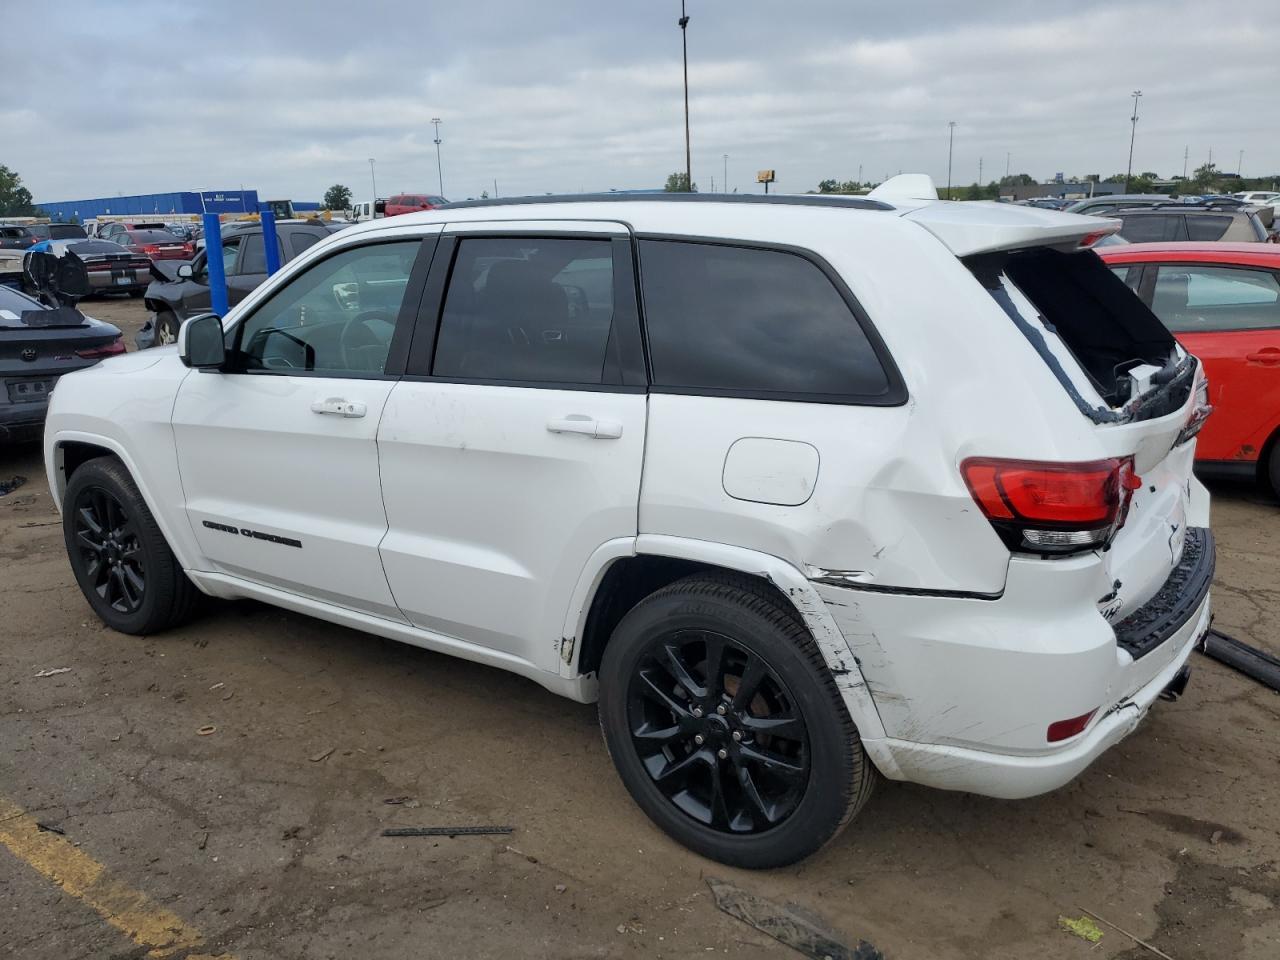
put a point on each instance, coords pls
(21, 422)
(1015, 776)
(104, 282)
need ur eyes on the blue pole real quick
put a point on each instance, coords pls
(213, 257)
(269, 238)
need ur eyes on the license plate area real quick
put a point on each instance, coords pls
(30, 391)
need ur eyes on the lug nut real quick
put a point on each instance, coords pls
(722, 754)
(737, 735)
(699, 739)
(697, 712)
(720, 709)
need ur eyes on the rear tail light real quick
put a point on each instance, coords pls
(1066, 729)
(1052, 507)
(106, 350)
(150, 249)
(1199, 413)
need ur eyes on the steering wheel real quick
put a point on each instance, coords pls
(356, 336)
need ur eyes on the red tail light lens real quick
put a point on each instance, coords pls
(150, 249)
(1052, 507)
(106, 350)
(1066, 729)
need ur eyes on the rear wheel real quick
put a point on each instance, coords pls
(1273, 466)
(136, 293)
(725, 725)
(119, 556)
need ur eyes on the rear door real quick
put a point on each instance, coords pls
(512, 448)
(1229, 317)
(250, 266)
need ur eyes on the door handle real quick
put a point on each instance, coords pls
(337, 407)
(1267, 355)
(587, 426)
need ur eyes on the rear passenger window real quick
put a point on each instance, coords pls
(1191, 299)
(744, 320)
(1207, 228)
(1146, 228)
(527, 309)
(303, 241)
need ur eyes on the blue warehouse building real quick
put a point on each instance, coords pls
(153, 204)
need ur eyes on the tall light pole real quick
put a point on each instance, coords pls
(1240, 166)
(979, 171)
(684, 43)
(725, 185)
(439, 171)
(1008, 157)
(1133, 132)
(373, 181)
(951, 140)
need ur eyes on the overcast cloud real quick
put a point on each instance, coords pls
(569, 95)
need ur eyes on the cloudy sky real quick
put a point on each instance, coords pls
(567, 95)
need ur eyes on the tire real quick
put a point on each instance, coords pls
(1273, 467)
(121, 561)
(769, 816)
(136, 293)
(166, 330)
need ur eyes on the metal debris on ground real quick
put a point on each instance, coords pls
(10, 485)
(1139, 942)
(50, 828)
(323, 756)
(206, 730)
(53, 673)
(1084, 928)
(786, 925)
(1250, 661)
(445, 831)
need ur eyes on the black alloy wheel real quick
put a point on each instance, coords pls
(109, 549)
(718, 732)
(118, 553)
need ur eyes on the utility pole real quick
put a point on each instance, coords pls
(1133, 131)
(1240, 166)
(725, 184)
(950, 143)
(979, 171)
(684, 43)
(1007, 157)
(1186, 155)
(439, 171)
(495, 188)
(373, 182)
(859, 174)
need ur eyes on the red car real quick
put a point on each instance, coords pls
(1222, 302)
(153, 242)
(412, 203)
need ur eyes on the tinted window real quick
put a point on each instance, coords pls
(151, 236)
(66, 231)
(527, 309)
(13, 233)
(230, 247)
(1129, 274)
(746, 320)
(255, 254)
(14, 302)
(1148, 228)
(303, 241)
(1190, 298)
(337, 317)
(1207, 228)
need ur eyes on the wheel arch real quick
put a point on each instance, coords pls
(619, 579)
(69, 450)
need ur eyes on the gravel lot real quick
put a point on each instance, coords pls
(264, 834)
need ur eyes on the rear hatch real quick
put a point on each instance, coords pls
(1143, 396)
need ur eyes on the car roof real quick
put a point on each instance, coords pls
(1268, 253)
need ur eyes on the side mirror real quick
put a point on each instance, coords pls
(185, 272)
(201, 344)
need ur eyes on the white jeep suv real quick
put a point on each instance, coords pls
(803, 490)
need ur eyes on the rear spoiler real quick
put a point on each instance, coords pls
(980, 226)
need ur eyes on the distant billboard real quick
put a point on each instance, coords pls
(764, 176)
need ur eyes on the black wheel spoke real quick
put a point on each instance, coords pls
(718, 731)
(788, 728)
(773, 763)
(88, 542)
(681, 672)
(651, 689)
(109, 557)
(752, 677)
(90, 519)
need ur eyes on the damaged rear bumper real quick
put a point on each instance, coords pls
(1013, 776)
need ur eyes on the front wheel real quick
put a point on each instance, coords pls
(166, 330)
(726, 726)
(121, 561)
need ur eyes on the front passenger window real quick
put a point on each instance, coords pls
(336, 318)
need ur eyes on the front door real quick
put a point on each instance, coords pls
(278, 453)
(512, 449)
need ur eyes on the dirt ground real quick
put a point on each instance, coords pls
(264, 834)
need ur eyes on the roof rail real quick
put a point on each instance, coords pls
(780, 199)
